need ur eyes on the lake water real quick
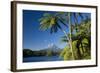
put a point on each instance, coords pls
(42, 58)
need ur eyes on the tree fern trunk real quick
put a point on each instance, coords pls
(66, 36)
(70, 36)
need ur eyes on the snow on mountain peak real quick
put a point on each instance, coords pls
(53, 47)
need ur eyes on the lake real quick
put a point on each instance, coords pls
(41, 58)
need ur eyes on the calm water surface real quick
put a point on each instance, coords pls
(42, 58)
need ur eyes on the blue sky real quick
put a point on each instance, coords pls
(35, 39)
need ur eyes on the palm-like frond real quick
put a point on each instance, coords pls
(46, 22)
(52, 22)
(64, 39)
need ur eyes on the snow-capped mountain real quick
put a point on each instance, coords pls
(53, 48)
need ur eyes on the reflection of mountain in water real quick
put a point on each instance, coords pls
(49, 51)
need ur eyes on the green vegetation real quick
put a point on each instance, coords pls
(49, 53)
(66, 54)
(44, 52)
(30, 53)
(78, 38)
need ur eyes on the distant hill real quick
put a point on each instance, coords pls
(50, 51)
